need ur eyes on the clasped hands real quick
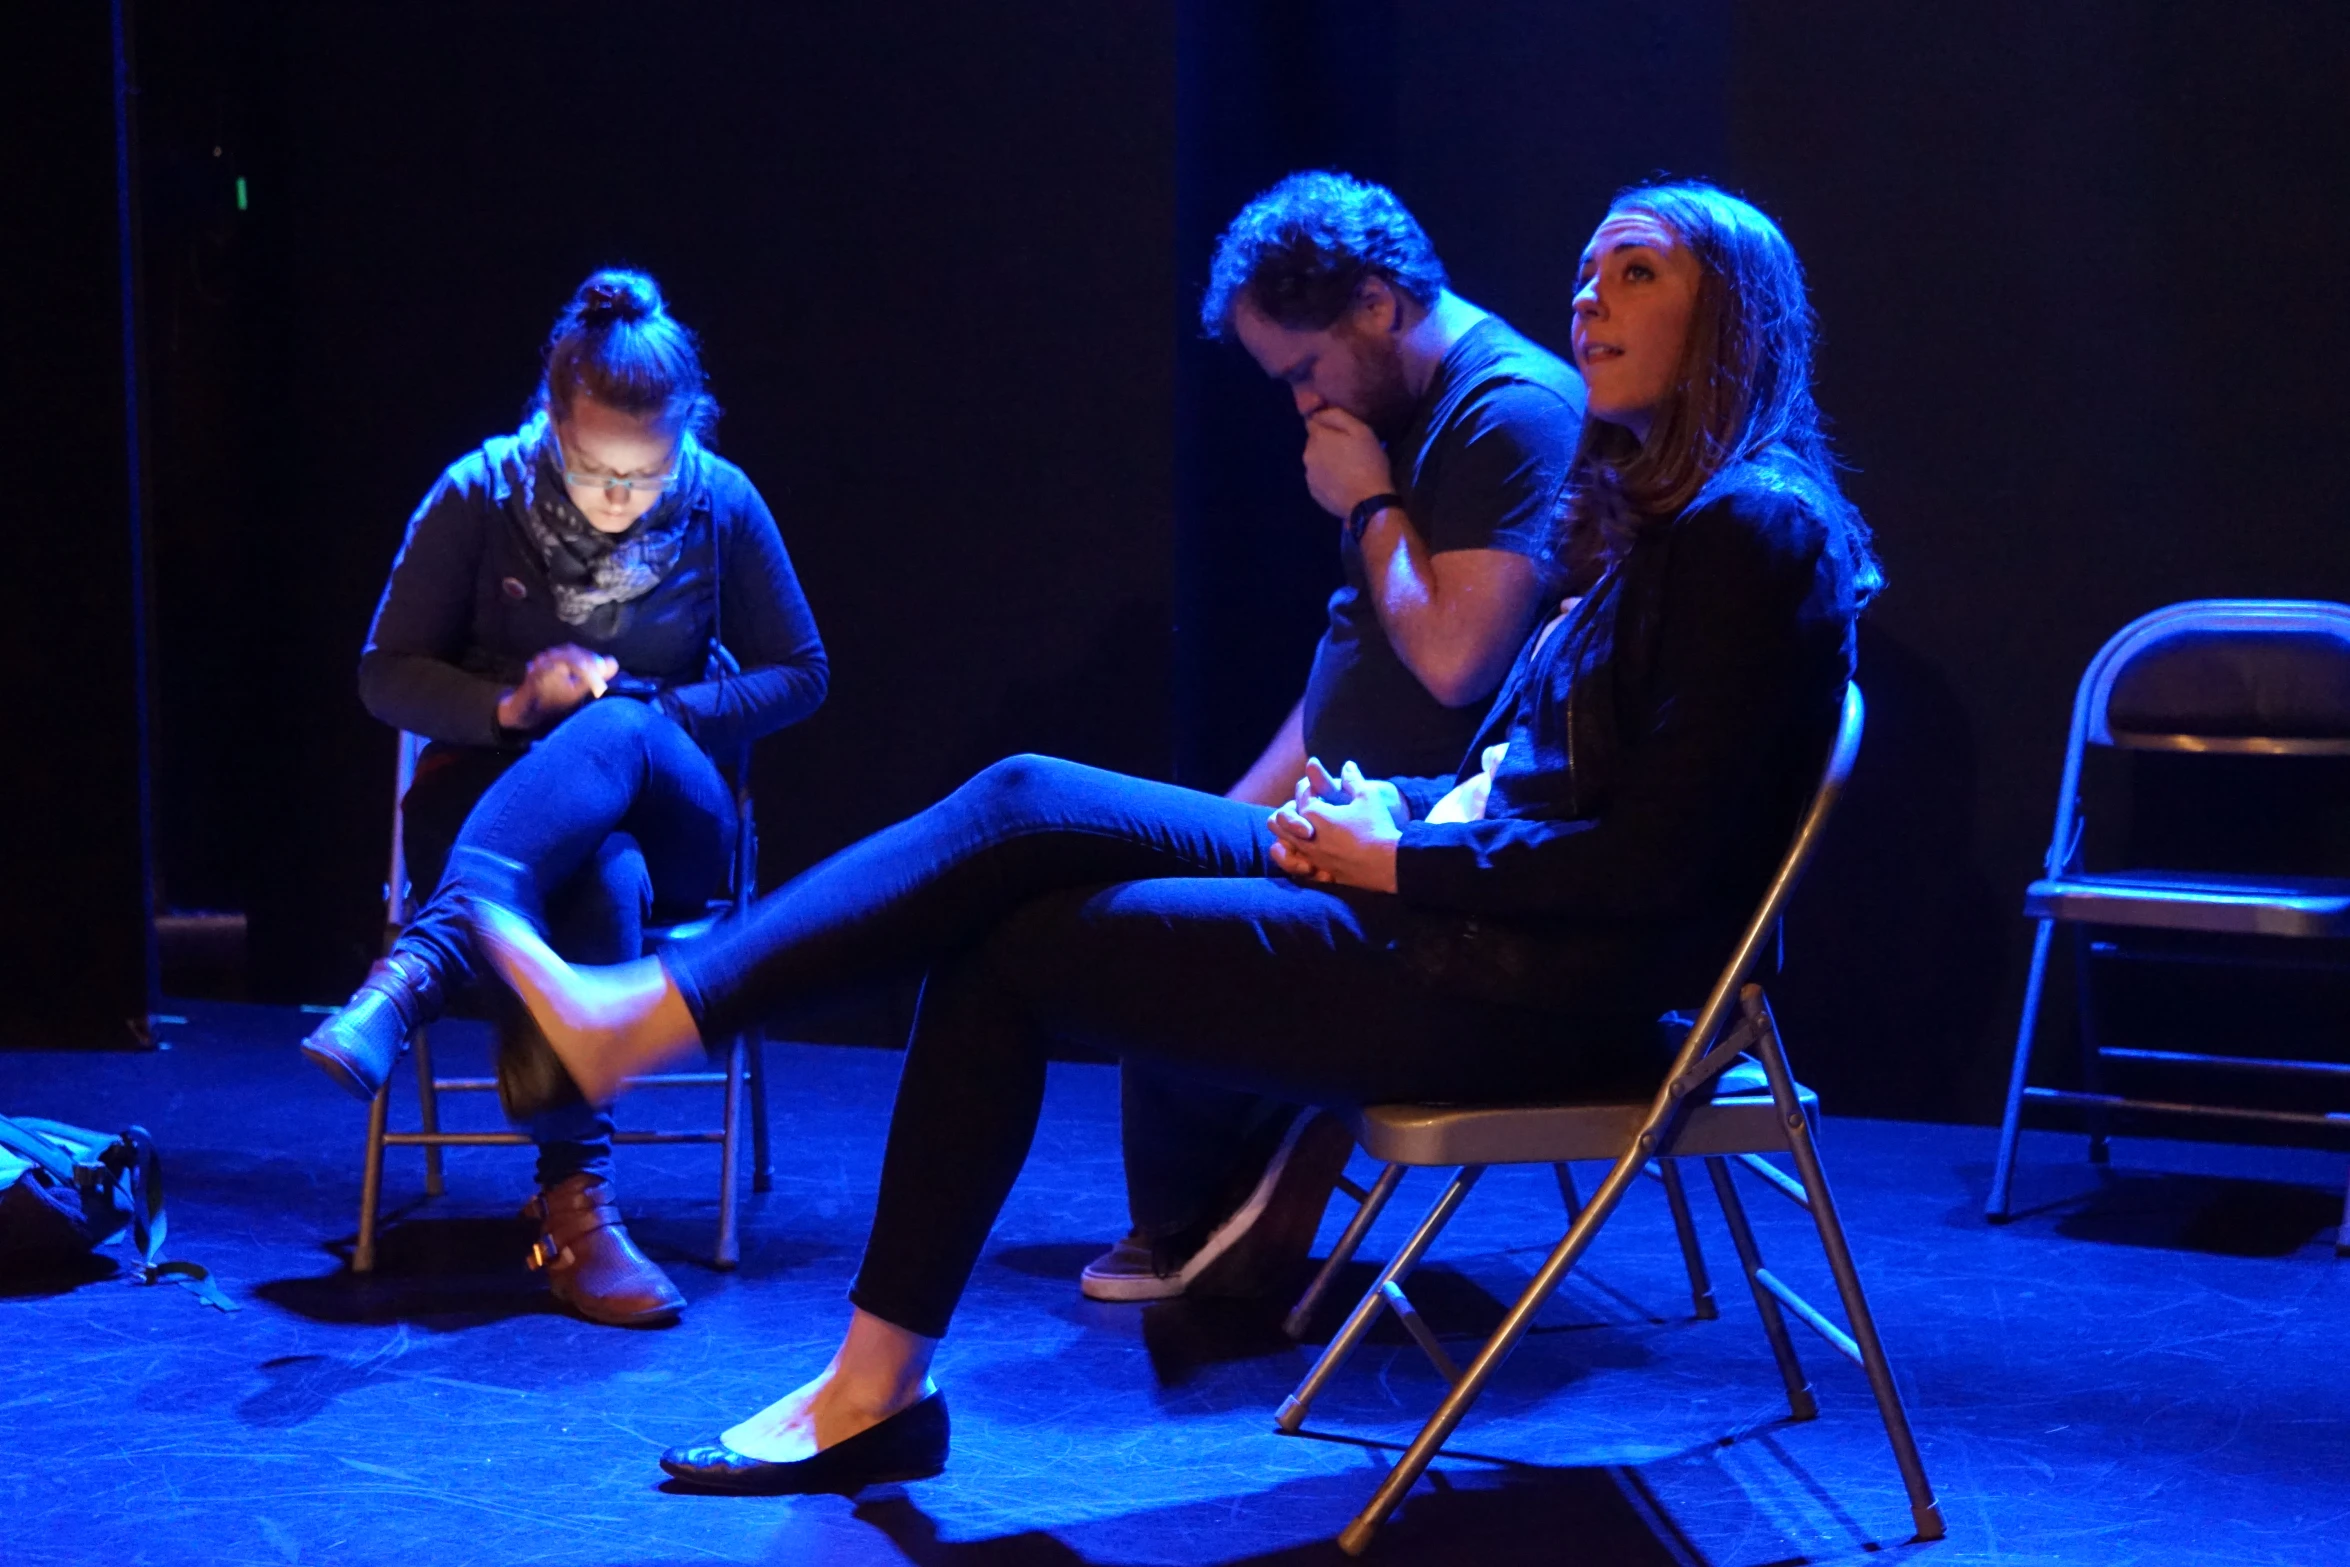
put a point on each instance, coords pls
(1341, 829)
(558, 680)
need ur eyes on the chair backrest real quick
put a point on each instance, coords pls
(396, 890)
(2266, 676)
(2259, 677)
(1757, 934)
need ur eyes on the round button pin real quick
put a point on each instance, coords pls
(512, 587)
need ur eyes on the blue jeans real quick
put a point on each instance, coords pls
(621, 820)
(1047, 901)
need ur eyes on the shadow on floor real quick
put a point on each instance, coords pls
(1511, 1516)
(2218, 1216)
(29, 1278)
(444, 1273)
(1188, 1337)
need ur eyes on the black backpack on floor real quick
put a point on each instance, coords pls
(65, 1191)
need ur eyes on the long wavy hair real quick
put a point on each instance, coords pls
(1742, 392)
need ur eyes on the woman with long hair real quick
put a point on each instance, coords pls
(1510, 933)
(552, 625)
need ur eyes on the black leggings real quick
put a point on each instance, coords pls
(1050, 901)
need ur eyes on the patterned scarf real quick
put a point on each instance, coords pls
(588, 569)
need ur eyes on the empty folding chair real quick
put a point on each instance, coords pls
(1729, 1096)
(2241, 678)
(744, 1066)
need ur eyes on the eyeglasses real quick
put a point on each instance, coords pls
(614, 488)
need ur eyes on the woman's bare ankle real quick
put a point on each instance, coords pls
(847, 1406)
(875, 1396)
(881, 1368)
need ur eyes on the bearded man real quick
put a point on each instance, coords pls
(1439, 439)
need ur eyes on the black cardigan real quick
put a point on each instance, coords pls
(467, 605)
(1662, 746)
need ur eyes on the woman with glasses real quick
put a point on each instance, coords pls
(552, 626)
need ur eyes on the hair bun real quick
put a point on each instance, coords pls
(651, 371)
(616, 296)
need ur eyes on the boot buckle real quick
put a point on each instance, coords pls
(544, 1253)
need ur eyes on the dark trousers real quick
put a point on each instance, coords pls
(1192, 1151)
(619, 817)
(1048, 901)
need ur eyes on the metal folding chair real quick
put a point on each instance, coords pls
(745, 1069)
(1729, 1096)
(1371, 1202)
(2230, 677)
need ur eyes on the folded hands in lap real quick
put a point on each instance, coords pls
(1341, 829)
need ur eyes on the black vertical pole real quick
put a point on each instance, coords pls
(134, 481)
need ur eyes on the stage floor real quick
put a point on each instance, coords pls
(2148, 1367)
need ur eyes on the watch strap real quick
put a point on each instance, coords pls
(1360, 518)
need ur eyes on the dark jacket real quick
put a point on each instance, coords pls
(468, 604)
(1662, 746)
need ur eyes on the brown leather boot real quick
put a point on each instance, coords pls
(591, 1264)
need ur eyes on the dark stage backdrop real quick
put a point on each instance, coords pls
(76, 954)
(2078, 271)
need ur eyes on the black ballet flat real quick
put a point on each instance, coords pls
(909, 1445)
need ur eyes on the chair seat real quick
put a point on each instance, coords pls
(1740, 1119)
(2196, 901)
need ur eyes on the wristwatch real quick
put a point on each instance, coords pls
(1360, 518)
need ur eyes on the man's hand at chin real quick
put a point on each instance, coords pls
(1345, 463)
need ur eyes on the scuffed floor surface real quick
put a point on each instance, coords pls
(2147, 1367)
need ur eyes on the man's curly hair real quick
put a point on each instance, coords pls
(1299, 252)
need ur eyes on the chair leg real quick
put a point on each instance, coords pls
(1366, 1312)
(1301, 1315)
(2342, 1235)
(428, 1105)
(762, 1163)
(729, 1243)
(1800, 1403)
(371, 1181)
(1995, 1208)
(1701, 1284)
(2092, 1044)
(1567, 1192)
(1355, 1538)
(1923, 1509)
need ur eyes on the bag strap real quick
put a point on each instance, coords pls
(134, 1155)
(19, 1138)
